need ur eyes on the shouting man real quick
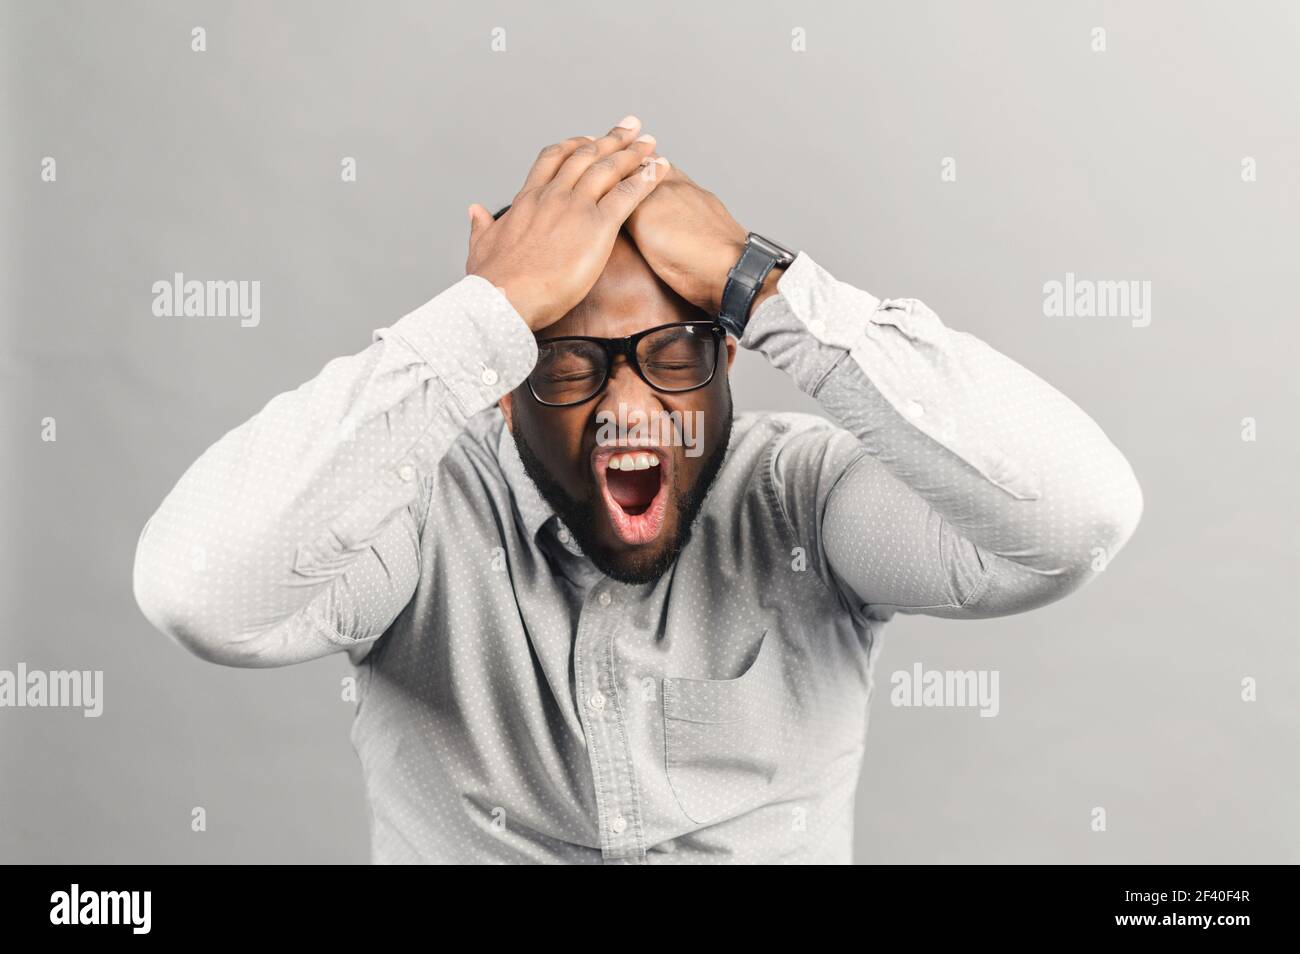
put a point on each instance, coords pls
(597, 617)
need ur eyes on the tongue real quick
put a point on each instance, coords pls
(633, 489)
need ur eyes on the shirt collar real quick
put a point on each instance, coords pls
(531, 504)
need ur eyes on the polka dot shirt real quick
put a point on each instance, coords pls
(515, 705)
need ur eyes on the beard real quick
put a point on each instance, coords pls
(580, 515)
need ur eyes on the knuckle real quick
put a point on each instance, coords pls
(587, 149)
(629, 186)
(551, 150)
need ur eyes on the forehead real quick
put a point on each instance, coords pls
(627, 298)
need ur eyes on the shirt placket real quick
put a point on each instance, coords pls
(604, 720)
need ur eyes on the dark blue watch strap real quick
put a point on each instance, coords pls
(746, 277)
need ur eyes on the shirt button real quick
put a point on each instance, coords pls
(598, 701)
(406, 472)
(564, 535)
(489, 377)
(618, 825)
(605, 599)
(915, 409)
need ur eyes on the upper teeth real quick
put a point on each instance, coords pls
(633, 461)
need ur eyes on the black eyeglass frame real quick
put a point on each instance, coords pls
(627, 346)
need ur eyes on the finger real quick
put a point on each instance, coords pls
(550, 159)
(603, 174)
(479, 219)
(674, 173)
(618, 138)
(619, 201)
(677, 174)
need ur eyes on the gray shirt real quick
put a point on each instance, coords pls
(515, 705)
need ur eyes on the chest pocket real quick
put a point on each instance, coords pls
(731, 744)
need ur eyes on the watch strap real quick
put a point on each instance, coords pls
(746, 277)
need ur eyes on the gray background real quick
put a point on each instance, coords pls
(1122, 165)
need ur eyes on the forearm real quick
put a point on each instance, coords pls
(1010, 463)
(282, 506)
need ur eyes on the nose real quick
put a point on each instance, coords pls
(626, 389)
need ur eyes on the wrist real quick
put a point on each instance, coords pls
(523, 304)
(752, 280)
(768, 288)
(722, 262)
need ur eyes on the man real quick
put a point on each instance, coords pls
(579, 637)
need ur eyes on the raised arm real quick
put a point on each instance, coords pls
(970, 486)
(958, 483)
(297, 534)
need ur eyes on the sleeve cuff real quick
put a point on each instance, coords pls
(805, 289)
(473, 339)
(899, 350)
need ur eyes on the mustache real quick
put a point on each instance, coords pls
(579, 515)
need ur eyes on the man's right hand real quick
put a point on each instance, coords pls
(549, 249)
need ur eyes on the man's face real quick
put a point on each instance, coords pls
(629, 518)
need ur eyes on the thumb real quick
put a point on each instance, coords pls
(479, 219)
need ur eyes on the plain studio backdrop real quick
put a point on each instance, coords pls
(1170, 157)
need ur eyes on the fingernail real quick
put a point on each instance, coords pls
(645, 138)
(592, 138)
(628, 122)
(663, 161)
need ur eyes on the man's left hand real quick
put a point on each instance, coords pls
(691, 241)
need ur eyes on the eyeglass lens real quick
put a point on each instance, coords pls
(676, 358)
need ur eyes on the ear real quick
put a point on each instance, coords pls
(731, 352)
(507, 408)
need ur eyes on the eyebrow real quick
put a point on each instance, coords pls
(660, 345)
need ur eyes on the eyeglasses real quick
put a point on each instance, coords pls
(672, 358)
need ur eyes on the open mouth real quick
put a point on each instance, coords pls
(633, 483)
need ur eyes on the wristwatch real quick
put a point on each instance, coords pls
(746, 277)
